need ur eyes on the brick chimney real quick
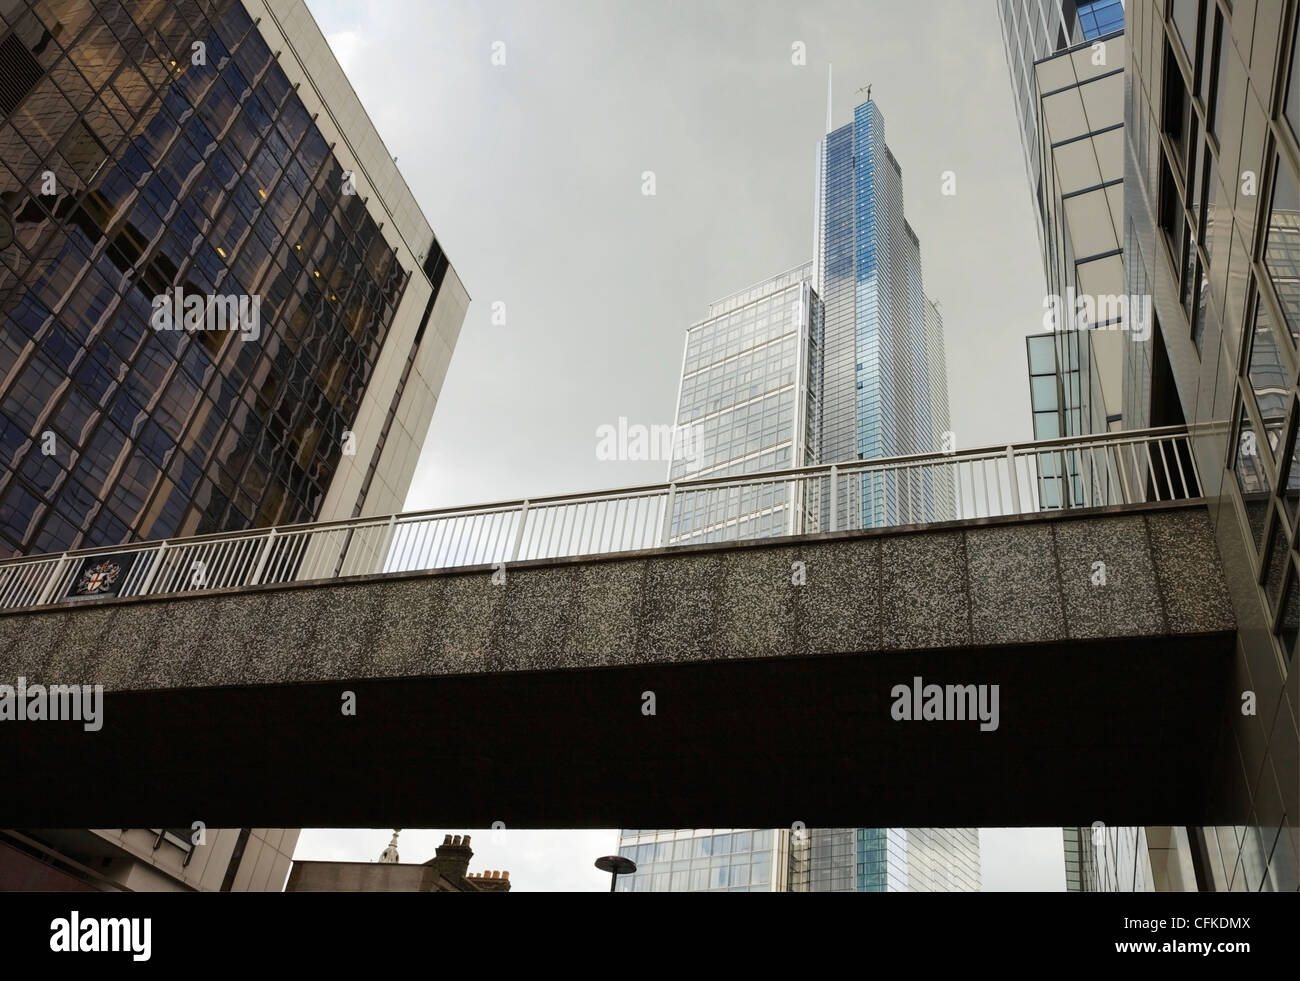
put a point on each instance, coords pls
(452, 857)
(491, 881)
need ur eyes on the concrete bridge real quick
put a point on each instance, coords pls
(724, 683)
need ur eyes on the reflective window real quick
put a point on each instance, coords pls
(186, 178)
(1268, 375)
(1252, 477)
(1293, 89)
(1184, 14)
(1100, 17)
(1282, 246)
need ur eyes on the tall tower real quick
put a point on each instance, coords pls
(883, 346)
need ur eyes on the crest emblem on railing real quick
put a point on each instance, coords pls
(100, 575)
(98, 578)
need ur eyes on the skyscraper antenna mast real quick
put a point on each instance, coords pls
(829, 70)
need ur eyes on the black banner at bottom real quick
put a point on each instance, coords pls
(151, 930)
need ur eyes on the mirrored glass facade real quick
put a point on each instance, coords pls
(148, 147)
(1211, 171)
(893, 860)
(751, 398)
(885, 388)
(727, 860)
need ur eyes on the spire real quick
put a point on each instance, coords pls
(389, 855)
(829, 69)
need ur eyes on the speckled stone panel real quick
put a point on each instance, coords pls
(1190, 573)
(133, 636)
(757, 604)
(679, 607)
(924, 602)
(462, 631)
(840, 605)
(176, 648)
(11, 629)
(399, 627)
(286, 635)
(34, 647)
(531, 620)
(346, 628)
(76, 658)
(1015, 596)
(230, 645)
(1120, 597)
(606, 614)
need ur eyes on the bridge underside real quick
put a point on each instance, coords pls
(1098, 731)
(772, 666)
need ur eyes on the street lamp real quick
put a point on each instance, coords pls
(615, 865)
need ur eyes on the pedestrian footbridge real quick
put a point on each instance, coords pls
(638, 658)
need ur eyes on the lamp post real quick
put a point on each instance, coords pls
(615, 865)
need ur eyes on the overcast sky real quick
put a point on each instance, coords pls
(531, 175)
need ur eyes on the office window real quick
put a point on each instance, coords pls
(1100, 17)
(1252, 477)
(1184, 15)
(1176, 114)
(1293, 89)
(1282, 246)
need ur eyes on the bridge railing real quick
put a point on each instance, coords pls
(1079, 472)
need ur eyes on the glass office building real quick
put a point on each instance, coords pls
(1212, 191)
(749, 402)
(1036, 29)
(148, 148)
(709, 860)
(884, 390)
(1066, 64)
(893, 860)
(212, 149)
(803, 860)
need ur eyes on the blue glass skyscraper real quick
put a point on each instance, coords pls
(884, 385)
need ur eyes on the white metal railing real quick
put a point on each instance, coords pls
(1074, 472)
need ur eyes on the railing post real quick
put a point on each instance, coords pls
(668, 516)
(153, 569)
(1123, 474)
(835, 498)
(261, 559)
(383, 554)
(54, 581)
(519, 533)
(1015, 479)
